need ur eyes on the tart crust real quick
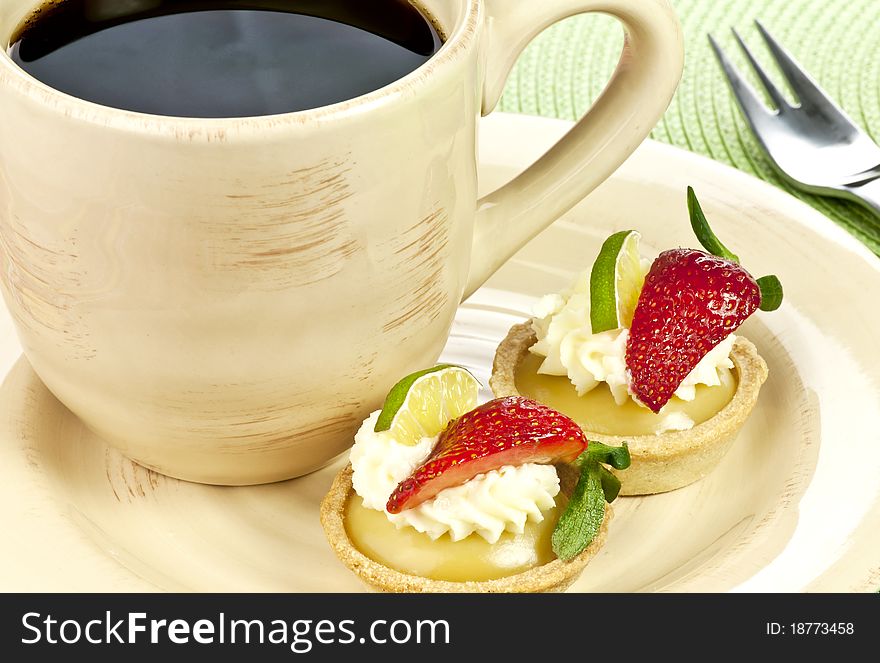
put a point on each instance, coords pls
(670, 460)
(554, 576)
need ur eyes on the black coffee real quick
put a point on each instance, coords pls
(222, 58)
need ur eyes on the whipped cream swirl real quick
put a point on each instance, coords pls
(489, 504)
(569, 347)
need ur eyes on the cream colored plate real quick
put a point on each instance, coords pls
(795, 506)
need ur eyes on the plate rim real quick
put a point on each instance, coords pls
(800, 212)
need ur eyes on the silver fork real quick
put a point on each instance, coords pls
(813, 145)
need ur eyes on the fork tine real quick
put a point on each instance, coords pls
(803, 86)
(771, 88)
(751, 106)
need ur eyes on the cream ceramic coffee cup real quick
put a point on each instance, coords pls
(225, 300)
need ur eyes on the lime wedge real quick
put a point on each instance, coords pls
(423, 403)
(615, 282)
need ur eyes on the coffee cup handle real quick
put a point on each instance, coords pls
(633, 101)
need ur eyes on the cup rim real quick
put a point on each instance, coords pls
(90, 112)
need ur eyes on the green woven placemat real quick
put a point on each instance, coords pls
(837, 41)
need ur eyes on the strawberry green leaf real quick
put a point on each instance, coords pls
(703, 232)
(771, 292)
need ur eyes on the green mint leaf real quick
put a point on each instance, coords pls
(771, 292)
(583, 516)
(616, 457)
(610, 484)
(702, 230)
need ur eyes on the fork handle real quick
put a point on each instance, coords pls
(867, 193)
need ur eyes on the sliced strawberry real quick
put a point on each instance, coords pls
(506, 431)
(690, 302)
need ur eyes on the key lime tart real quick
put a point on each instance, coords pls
(646, 352)
(444, 495)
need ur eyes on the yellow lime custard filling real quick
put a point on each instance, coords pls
(471, 558)
(596, 411)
